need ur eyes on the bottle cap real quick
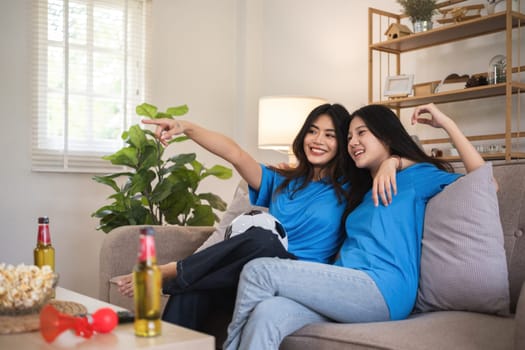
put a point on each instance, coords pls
(43, 220)
(147, 231)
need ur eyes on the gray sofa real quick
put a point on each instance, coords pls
(432, 330)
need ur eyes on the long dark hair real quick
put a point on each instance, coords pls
(386, 126)
(336, 168)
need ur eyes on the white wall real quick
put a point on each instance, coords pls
(218, 57)
(194, 63)
(304, 47)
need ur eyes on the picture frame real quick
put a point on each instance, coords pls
(399, 85)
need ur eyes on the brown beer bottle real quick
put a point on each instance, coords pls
(44, 253)
(147, 281)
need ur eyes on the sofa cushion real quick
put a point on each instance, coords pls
(463, 263)
(433, 330)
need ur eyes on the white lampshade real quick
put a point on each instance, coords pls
(281, 118)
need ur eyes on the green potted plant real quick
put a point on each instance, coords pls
(420, 13)
(155, 191)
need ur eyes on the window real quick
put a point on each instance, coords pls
(89, 66)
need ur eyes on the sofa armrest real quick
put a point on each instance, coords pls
(519, 324)
(118, 253)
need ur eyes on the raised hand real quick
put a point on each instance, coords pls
(437, 118)
(468, 154)
(166, 128)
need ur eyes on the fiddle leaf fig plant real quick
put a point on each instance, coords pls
(155, 191)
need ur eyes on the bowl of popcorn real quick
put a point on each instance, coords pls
(25, 289)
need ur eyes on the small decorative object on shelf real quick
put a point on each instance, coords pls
(436, 152)
(460, 14)
(426, 89)
(490, 5)
(452, 82)
(494, 148)
(397, 30)
(422, 26)
(399, 86)
(493, 6)
(476, 80)
(497, 69)
(420, 13)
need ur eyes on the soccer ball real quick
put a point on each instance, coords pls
(257, 218)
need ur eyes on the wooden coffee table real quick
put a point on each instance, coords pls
(122, 337)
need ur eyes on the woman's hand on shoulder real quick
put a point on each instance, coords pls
(384, 185)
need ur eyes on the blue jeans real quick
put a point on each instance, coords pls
(276, 297)
(206, 281)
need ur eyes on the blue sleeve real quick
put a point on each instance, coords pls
(263, 196)
(430, 180)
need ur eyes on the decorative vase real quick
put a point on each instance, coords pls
(493, 6)
(490, 7)
(422, 26)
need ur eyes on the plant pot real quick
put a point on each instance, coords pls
(422, 26)
(490, 7)
(493, 6)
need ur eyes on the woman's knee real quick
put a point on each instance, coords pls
(262, 239)
(256, 267)
(257, 272)
(257, 242)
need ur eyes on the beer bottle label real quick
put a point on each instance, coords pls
(43, 235)
(147, 248)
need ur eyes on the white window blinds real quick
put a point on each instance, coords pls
(89, 61)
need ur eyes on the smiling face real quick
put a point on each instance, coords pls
(364, 147)
(320, 143)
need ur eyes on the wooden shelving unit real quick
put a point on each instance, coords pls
(451, 33)
(455, 95)
(507, 21)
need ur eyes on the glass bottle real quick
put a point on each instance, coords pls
(147, 287)
(497, 72)
(44, 253)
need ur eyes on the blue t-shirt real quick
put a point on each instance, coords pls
(311, 216)
(385, 242)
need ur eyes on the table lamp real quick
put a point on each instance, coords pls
(281, 118)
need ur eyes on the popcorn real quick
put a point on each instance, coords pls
(24, 287)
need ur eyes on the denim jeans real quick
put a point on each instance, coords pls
(206, 282)
(220, 265)
(276, 297)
